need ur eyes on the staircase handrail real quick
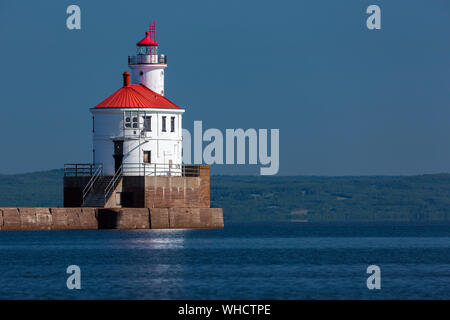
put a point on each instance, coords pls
(98, 172)
(113, 181)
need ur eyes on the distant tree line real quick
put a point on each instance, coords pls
(273, 198)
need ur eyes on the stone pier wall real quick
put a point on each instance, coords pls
(149, 191)
(178, 192)
(107, 218)
(138, 202)
(160, 218)
(48, 218)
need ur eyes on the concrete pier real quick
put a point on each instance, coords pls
(38, 218)
(135, 202)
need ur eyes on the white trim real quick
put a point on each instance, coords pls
(118, 110)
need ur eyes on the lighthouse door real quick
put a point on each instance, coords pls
(118, 154)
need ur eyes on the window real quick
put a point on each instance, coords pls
(148, 123)
(131, 121)
(172, 124)
(164, 124)
(144, 50)
(147, 157)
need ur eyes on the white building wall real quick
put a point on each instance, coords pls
(152, 76)
(164, 146)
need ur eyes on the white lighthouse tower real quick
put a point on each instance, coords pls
(137, 130)
(147, 67)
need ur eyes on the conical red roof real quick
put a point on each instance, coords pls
(147, 41)
(136, 96)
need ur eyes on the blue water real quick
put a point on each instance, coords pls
(242, 261)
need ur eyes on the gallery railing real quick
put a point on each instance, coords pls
(80, 169)
(147, 59)
(132, 169)
(160, 169)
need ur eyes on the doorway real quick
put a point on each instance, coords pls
(118, 155)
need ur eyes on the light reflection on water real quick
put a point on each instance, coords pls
(267, 261)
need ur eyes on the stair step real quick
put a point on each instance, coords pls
(96, 196)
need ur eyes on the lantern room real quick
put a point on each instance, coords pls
(147, 67)
(147, 50)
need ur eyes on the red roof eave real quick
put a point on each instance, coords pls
(136, 96)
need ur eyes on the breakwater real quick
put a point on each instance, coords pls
(43, 218)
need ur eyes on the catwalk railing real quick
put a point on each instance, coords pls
(133, 169)
(147, 59)
(160, 169)
(80, 169)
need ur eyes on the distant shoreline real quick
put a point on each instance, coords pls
(421, 198)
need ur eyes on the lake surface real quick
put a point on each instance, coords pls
(241, 261)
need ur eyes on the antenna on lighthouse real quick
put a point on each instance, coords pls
(152, 30)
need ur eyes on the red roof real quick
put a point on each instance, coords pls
(147, 41)
(136, 96)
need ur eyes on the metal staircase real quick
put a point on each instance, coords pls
(99, 188)
(111, 186)
(96, 196)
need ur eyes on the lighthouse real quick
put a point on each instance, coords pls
(137, 130)
(137, 179)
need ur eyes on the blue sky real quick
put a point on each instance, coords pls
(347, 101)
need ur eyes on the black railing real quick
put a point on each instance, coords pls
(191, 171)
(160, 169)
(133, 169)
(147, 59)
(80, 169)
